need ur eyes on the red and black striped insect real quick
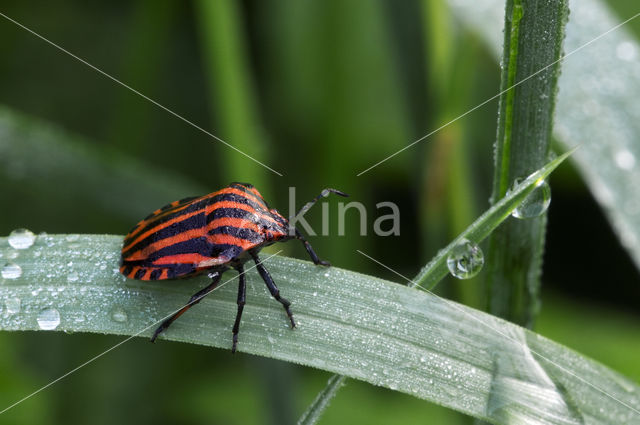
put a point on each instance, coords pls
(211, 233)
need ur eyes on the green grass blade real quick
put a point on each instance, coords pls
(315, 410)
(595, 109)
(232, 95)
(352, 324)
(534, 31)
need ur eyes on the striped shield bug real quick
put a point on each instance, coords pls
(211, 233)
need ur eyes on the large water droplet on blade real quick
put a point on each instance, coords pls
(465, 260)
(21, 238)
(11, 271)
(48, 319)
(536, 203)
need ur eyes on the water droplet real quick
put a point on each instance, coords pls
(625, 159)
(13, 305)
(119, 315)
(72, 238)
(21, 238)
(325, 193)
(13, 254)
(465, 260)
(11, 271)
(48, 319)
(536, 203)
(72, 277)
(626, 51)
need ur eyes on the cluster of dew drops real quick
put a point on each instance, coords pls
(21, 239)
(466, 258)
(48, 318)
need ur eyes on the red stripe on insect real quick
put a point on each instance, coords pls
(192, 258)
(160, 227)
(163, 243)
(250, 196)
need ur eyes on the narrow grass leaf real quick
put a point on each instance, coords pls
(313, 414)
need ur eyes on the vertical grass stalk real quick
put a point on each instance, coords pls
(233, 98)
(534, 31)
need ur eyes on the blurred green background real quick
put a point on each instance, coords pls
(318, 91)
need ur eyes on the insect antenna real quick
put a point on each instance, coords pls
(303, 210)
(323, 194)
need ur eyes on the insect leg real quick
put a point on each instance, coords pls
(275, 292)
(312, 253)
(195, 299)
(242, 293)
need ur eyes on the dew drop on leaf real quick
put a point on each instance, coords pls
(626, 51)
(625, 159)
(48, 319)
(11, 271)
(119, 315)
(465, 260)
(21, 238)
(536, 203)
